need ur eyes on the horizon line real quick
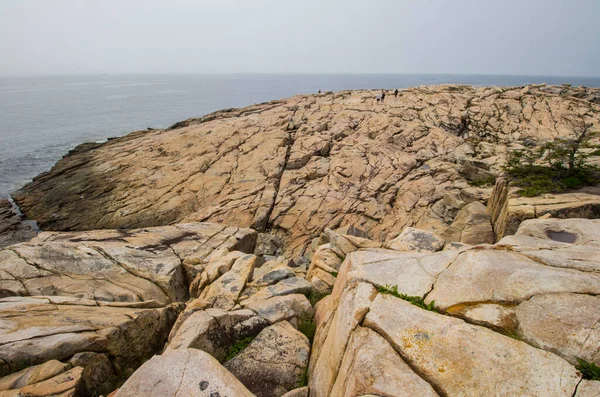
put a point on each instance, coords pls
(290, 74)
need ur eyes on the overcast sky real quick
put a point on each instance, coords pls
(535, 37)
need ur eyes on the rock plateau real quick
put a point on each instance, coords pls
(321, 245)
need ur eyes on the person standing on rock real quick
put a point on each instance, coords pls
(396, 93)
(378, 97)
(382, 96)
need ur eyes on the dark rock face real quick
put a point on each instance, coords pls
(13, 229)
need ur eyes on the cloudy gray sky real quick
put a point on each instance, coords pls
(538, 37)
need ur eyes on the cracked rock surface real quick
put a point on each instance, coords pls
(503, 323)
(296, 166)
(79, 312)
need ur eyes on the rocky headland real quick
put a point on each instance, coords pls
(321, 245)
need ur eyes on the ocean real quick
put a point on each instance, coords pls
(41, 118)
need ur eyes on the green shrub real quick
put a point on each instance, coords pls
(238, 347)
(304, 379)
(555, 166)
(308, 327)
(514, 334)
(415, 300)
(315, 296)
(534, 180)
(589, 370)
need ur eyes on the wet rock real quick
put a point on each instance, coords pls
(13, 229)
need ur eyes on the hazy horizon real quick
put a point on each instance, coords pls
(150, 37)
(289, 74)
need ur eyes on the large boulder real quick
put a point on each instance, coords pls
(95, 305)
(225, 291)
(182, 372)
(86, 374)
(40, 329)
(215, 331)
(279, 308)
(116, 265)
(507, 209)
(490, 320)
(472, 225)
(371, 366)
(412, 239)
(274, 363)
(456, 356)
(65, 384)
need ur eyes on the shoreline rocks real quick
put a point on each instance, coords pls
(13, 228)
(292, 168)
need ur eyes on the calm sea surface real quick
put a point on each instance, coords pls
(41, 118)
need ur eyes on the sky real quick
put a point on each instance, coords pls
(523, 37)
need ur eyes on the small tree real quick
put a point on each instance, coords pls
(571, 151)
(557, 165)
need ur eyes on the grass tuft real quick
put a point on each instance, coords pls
(415, 300)
(238, 347)
(589, 370)
(308, 327)
(514, 334)
(304, 379)
(315, 296)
